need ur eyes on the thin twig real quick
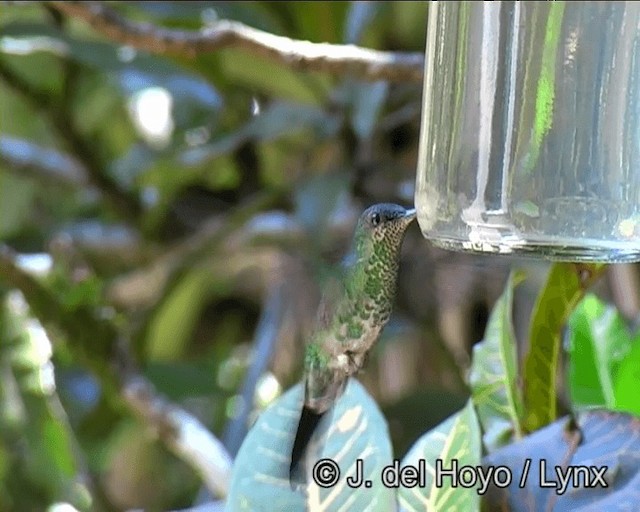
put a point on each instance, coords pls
(337, 59)
(181, 432)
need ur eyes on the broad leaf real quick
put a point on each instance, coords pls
(627, 380)
(16, 203)
(354, 430)
(597, 341)
(565, 286)
(319, 21)
(599, 440)
(175, 320)
(456, 441)
(246, 70)
(43, 453)
(493, 378)
(277, 120)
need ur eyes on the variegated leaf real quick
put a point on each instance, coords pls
(353, 430)
(453, 443)
(493, 377)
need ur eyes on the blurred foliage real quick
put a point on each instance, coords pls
(161, 204)
(168, 196)
(37, 446)
(604, 358)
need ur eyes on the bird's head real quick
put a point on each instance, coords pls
(385, 223)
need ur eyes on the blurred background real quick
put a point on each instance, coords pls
(167, 216)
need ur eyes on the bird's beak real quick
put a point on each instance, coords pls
(410, 215)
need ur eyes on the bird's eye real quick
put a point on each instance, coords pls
(375, 219)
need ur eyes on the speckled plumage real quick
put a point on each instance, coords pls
(352, 316)
(349, 326)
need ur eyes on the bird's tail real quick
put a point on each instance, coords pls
(307, 425)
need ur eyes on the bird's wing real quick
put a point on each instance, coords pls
(333, 291)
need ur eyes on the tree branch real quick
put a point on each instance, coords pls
(336, 59)
(181, 432)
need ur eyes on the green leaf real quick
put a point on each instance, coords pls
(408, 23)
(24, 124)
(494, 378)
(278, 120)
(244, 69)
(565, 286)
(55, 444)
(36, 428)
(356, 430)
(456, 439)
(627, 380)
(318, 21)
(528, 208)
(597, 340)
(178, 380)
(16, 197)
(176, 318)
(359, 17)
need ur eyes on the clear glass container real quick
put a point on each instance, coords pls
(530, 135)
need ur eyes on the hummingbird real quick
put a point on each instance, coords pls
(351, 316)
